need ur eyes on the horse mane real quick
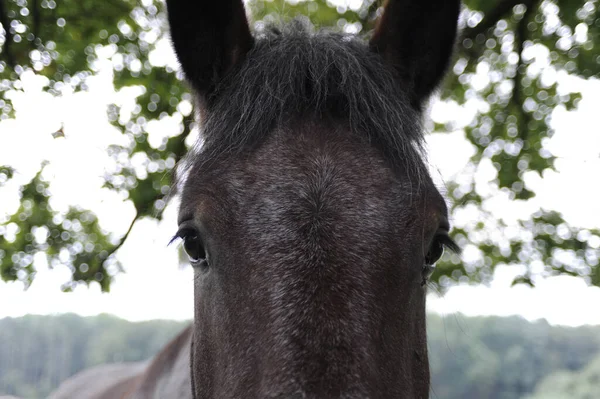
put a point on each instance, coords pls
(295, 72)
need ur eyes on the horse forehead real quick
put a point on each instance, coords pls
(315, 163)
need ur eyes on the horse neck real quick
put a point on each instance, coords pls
(169, 372)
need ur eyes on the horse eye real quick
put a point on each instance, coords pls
(193, 246)
(436, 250)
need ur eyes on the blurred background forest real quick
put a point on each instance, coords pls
(471, 358)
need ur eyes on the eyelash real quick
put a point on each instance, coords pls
(449, 243)
(180, 235)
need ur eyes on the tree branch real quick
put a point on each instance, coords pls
(124, 238)
(8, 37)
(35, 11)
(521, 36)
(503, 8)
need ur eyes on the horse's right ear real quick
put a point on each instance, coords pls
(210, 37)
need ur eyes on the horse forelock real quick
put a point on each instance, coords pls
(295, 73)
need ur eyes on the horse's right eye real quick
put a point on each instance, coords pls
(194, 247)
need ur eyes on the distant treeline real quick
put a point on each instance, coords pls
(510, 358)
(38, 352)
(491, 357)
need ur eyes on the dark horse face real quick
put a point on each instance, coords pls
(307, 212)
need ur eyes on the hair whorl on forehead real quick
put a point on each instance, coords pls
(294, 73)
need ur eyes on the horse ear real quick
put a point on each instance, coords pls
(209, 37)
(417, 38)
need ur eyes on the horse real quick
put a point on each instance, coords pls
(166, 376)
(307, 211)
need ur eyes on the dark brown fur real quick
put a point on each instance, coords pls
(322, 297)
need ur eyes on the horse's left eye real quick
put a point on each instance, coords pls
(435, 252)
(436, 249)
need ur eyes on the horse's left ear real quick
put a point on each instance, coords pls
(210, 37)
(417, 38)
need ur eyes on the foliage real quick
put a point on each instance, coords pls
(483, 357)
(6, 173)
(566, 384)
(509, 57)
(510, 43)
(73, 238)
(504, 358)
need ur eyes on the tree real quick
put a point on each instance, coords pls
(567, 384)
(37, 353)
(506, 57)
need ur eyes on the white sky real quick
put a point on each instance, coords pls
(155, 287)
